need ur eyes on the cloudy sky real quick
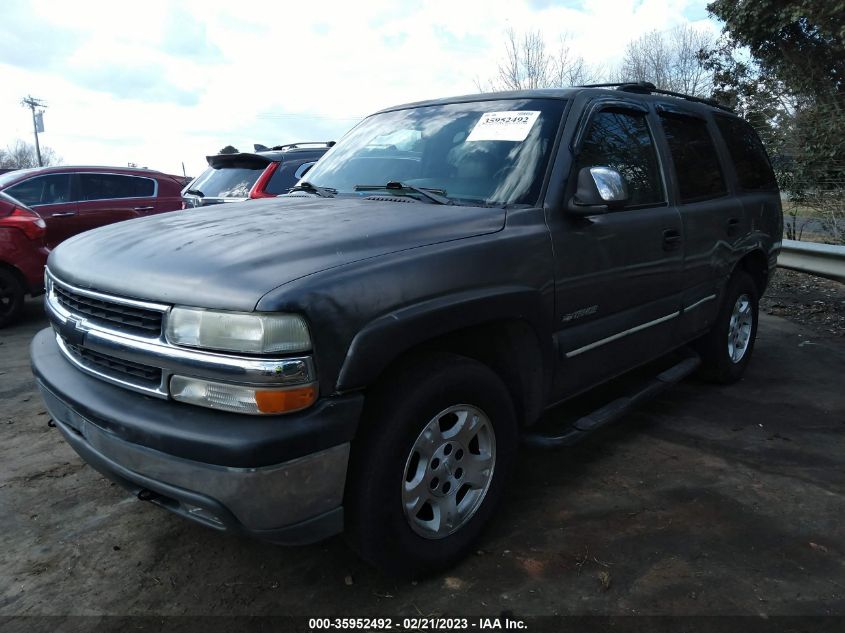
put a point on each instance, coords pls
(159, 83)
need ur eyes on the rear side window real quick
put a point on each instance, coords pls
(114, 186)
(697, 165)
(753, 170)
(286, 176)
(620, 139)
(282, 179)
(50, 189)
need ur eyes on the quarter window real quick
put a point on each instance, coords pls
(285, 177)
(620, 139)
(697, 167)
(50, 189)
(753, 170)
(113, 186)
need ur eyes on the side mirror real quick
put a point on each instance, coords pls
(599, 189)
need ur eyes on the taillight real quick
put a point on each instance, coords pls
(258, 189)
(30, 223)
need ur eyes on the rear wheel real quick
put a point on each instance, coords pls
(430, 468)
(726, 349)
(12, 295)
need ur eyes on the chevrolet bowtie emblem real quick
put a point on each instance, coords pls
(72, 333)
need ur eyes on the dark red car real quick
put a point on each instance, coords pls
(76, 199)
(22, 256)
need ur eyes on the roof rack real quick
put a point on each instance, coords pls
(646, 88)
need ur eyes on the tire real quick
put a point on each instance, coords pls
(726, 350)
(12, 295)
(418, 449)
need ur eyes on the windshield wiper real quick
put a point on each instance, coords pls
(195, 192)
(323, 192)
(437, 196)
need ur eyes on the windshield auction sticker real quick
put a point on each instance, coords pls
(504, 126)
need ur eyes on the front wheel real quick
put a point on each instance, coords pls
(429, 470)
(726, 349)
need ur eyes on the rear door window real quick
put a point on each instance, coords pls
(621, 139)
(114, 186)
(753, 170)
(697, 167)
(48, 189)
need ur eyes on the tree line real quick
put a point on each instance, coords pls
(778, 63)
(22, 155)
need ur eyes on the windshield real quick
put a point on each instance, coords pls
(227, 182)
(484, 152)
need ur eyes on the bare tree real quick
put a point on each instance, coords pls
(21, 155)
(670, 60)
(529, 64)
(570, 69)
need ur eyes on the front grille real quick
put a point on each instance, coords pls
(117, 368)
(108, 313)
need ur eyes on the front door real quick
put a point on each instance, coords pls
(618, 274)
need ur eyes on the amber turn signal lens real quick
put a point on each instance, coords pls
(285, 401)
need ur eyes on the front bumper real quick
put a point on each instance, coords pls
(279, 478)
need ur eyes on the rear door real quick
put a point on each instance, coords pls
(107, 198)
(617, 279)
(712, 216)
(51, 196)
(169, 194)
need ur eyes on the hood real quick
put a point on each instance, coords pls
(228, 256)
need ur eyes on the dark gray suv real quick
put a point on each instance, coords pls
(366, 353)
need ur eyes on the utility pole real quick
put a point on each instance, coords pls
(32, 103)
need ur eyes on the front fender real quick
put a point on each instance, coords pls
(384, 339)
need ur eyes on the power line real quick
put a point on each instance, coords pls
(309, 116)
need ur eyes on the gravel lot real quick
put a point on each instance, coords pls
(709, 500)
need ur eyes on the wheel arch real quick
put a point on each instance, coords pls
(494, 328)
(17, 274)
(756, 264)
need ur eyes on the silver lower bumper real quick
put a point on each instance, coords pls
(260, 499)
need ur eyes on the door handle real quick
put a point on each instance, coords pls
(143, 208)
(66, 214)
(671, 239)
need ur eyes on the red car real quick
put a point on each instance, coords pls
(22, 256)
(76, 199)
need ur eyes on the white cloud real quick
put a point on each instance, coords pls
(158, 83)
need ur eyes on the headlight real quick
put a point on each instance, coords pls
(237, 331)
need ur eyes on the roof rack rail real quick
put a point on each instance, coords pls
(646, 88)
(301, 143)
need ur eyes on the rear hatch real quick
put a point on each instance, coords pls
(229, 178)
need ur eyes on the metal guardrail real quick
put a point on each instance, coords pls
(822, 260)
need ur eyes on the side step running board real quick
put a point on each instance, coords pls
(615, 409)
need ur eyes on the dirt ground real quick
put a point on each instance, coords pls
(812, 301)
(709, 500)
